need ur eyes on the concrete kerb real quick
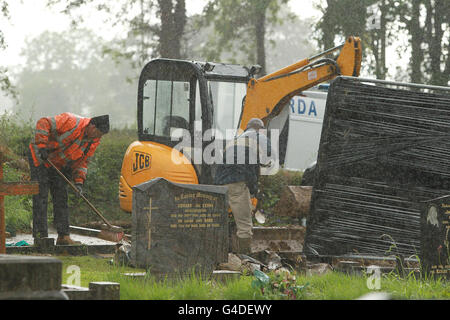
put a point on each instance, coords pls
(96, 291)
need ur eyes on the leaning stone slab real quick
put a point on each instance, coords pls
(294, 202)
(30, 278)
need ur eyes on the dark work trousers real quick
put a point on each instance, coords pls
(49, 180)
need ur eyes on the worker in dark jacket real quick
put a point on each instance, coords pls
(69, 141)
(240, 173)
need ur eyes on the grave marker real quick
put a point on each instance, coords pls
(177, 227)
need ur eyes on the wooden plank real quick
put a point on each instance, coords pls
(18, 188)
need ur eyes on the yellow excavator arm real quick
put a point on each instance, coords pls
(266, 96)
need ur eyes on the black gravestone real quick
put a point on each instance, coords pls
(435, 224)
(178, 228)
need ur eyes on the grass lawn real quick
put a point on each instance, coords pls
(330, 286)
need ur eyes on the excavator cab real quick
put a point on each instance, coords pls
(188, 95)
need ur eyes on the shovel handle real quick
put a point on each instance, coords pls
(81, 195)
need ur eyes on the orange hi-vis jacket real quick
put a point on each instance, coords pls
(64, 136)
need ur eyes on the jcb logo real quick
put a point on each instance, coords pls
(141, 162)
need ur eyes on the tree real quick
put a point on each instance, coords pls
(5, 83)
(342, 18)
(409, 14)
(146, 37)
(425, 22)
(244, 20)
(173, 21)
(67, 72)
(378, 39)
(289, 42)
(438, 14)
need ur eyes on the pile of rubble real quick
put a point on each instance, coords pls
(267, 261)
(270, 261)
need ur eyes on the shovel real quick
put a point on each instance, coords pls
(108, 232)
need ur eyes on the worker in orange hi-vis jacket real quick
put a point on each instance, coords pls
(68, 141)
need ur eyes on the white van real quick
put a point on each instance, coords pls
(305, 115)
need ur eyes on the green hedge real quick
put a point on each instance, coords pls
(15, 134)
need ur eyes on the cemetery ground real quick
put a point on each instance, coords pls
(329, 286)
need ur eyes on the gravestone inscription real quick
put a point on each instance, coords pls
(179, 227)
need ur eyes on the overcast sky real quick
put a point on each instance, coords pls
(29, 18)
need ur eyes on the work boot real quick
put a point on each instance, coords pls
(65, 240)
(244, 245)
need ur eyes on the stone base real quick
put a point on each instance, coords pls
(96, 291)
(29, 277)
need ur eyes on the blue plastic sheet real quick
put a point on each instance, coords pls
(21, 243)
